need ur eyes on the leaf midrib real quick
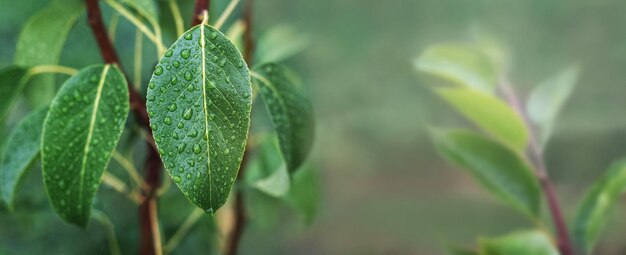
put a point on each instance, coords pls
(206, 114)
(92, 122)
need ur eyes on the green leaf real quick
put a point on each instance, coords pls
(12, 81)
(489, 113)
(41, 42)
(520, 243)
(304, 193)
(199, 101)
(463, 64)
(21, 149)
(279, 43)
(547, 99)
(267, 171)
(83, 126)
(497, 168)
(592, 213)
(291, 112)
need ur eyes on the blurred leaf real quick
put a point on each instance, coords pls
(12, 81)
(304, 194)
(146, 8)
(279, 43)
(291, 112)
(201, 118)
(497, 168)
(490, 114)
(592, 213)
(41, 42)
(547, 99)
(267, 172)
(463, 64)
(453, 250)
(82, 128)
(21, 149)
(520, 243)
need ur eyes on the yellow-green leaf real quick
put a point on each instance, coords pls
(521, 243)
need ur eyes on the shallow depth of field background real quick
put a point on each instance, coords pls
(385, 190)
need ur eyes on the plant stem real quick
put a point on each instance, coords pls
(240, 210)
(53, 69)
(182, 231)
(178, 19)
(201, 5)
(229, 9)
(114, 246)
(147, 209)
(536, 156)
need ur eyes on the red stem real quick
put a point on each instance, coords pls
(138, 105)
(240, 210)
(201, 5)
(535, 153)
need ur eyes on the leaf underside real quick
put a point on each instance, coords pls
(199, 102)
(21, 149)
(82, 128)
(496, 167)
(291, 112)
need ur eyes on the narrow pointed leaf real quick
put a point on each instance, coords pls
(463, 64)
(520, 243)
(497, 168)
(593, 212)
(12, 81)
(490, 114)
(199, 101)
(41, 42)
(21, 149)
(83, 126)
(545, 101)
(291, 112)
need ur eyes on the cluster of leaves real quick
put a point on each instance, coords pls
(199, 101)
(497, 156)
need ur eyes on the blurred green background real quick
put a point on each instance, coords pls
(384, 189)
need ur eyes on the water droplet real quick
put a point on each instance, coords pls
(213, 35)
(185, 53)
(158, 70)
(181, 147)
(188, 36)
(167, 121)
(187, 114)
(150, 114)
(154, 127)
(151, 85)
(196, 149)
(188, 76)
(191, 162)
(177, 179)
(175, 135)
(193, 133)
(176, 64)
(226, 152)
(181, 170)
(189, 176)
(223, 62)
(174, 80)
(180, 125)
(168, 53)
(172, 107)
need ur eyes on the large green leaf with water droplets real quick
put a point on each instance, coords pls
(291, 112)
(521, 243)
(12, 81)
(496, 167)
(463, 64)
(547, 99)
(41, 43)
(593, 212)
(199, 100)
(489, 113)
(83, 126)
(21, 149)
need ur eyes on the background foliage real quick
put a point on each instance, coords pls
(384, 188)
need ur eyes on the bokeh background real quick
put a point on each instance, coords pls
(384, 189)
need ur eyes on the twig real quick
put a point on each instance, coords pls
(114, 245)
(229, 9)
(138, 24)
(182, 231)
(178, 19)
(201, 5)
(130, 169)
(536, 156)
(147, 209)
(119, 186)
(52, 69)
(138, 58)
